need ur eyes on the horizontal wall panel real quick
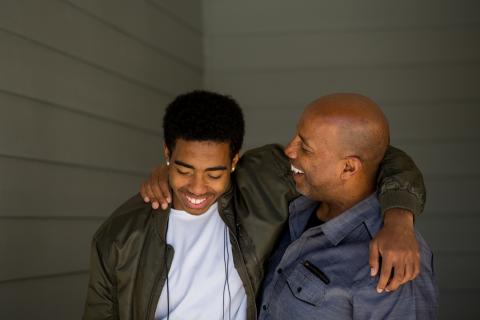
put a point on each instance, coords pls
(32, 248)
(434, 121)
(452, 196)
(446, 121)
(247, 17)
(189, 12)
(444, 158)
(44, 299)
(457, 270)
(445, 234)
(353, 48)
(459, 304)
(90, 40)
(144, 22)
(298, 87)
(41, 190)
(29, 129)
(34, 71)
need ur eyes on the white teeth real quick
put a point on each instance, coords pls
(195, 201)
(296, 170)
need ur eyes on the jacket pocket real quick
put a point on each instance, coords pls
(306, 287)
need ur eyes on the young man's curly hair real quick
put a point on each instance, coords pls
(204, 116)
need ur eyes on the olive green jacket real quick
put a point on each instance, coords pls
(130, 257)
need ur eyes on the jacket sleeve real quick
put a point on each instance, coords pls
(400, 183)
(263, 188)
(100, 294)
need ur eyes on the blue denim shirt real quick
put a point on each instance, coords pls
(323, 272)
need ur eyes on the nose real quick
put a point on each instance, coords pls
(198, 186)
(291, 149)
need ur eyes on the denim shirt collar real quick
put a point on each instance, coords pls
(366, 211)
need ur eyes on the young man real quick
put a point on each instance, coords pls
(204, 257)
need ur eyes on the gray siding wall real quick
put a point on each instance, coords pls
(83, 86)
(84, 83)
(420, 60)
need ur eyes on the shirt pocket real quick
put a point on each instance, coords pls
(306, 287)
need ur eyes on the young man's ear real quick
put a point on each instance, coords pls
(166, 154)
(234, 161)
(351, 166)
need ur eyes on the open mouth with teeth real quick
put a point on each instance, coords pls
(296, 171)
(196, 202)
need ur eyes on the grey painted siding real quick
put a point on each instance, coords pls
(83, 88)
(419, 60)
(84, 83)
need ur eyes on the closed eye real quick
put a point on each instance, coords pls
(302, 146)
(182, 172)
(214, 177)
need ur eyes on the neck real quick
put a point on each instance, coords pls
(345, 200)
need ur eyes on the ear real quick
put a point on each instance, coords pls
(234, 161)
(166, 152)
(351, 166)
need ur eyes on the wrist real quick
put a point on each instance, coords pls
(397, 217)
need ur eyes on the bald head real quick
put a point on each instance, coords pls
(359, 126)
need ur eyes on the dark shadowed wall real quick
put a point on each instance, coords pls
(420, 60)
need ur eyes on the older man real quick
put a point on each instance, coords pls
(320, 269)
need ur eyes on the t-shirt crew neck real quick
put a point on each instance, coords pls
(197, 276)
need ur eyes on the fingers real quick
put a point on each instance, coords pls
(386, 271)
(397, 278)
(159, 196)
(144, 193)
(157, 190)
(151, 196)
(409, 273)
(374, 258)
(416, 266)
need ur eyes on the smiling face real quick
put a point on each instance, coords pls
(199, 173)
(316, 164)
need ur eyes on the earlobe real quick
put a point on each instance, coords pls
(166, 154)
(234, 161)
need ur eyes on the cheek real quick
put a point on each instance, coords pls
(177, 181)
(220, 186)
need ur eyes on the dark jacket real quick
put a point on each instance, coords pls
(130, 258)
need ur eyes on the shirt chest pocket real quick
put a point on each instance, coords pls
(306, 286)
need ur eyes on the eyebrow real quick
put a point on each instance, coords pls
(186, 165)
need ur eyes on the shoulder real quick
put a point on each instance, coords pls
(258, 156)
(133, 217)
(267, 164)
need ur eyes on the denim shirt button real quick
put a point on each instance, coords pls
(264, 307)
(299, 289)
(279, 271)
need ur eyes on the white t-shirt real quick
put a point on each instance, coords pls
(197, 278)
